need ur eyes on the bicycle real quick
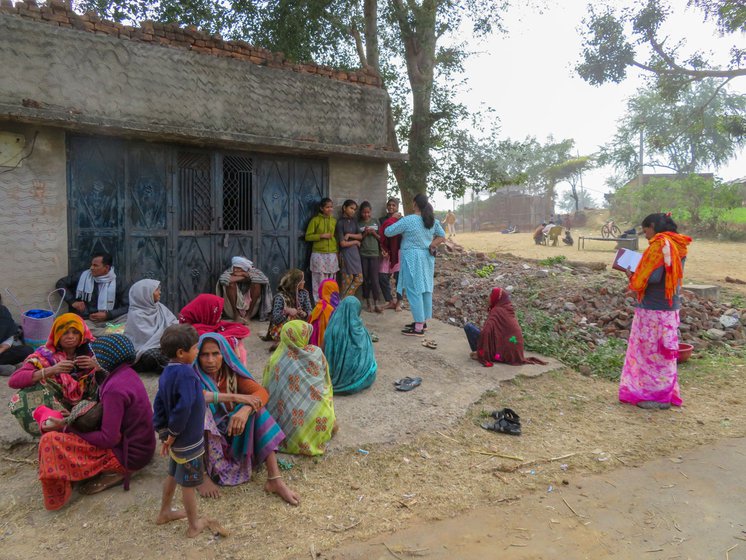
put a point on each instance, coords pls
(610, 229)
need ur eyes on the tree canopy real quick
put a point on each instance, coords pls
(616, 40)
(699, 130)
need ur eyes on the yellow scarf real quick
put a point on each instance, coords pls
(666, 249)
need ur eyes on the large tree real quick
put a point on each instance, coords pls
(616, 40)
(571, 171)
(690, 134)
(413, 44)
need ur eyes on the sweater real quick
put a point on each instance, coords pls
(318, 225)
(179, 410)
(127, 425)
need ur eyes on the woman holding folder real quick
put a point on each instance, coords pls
(649, 376)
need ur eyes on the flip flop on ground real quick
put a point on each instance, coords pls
(407, 383)
(427, 343)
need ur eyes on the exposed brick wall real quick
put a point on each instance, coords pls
(58, 13)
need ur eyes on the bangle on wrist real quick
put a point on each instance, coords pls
(215, 398)
(43, 373)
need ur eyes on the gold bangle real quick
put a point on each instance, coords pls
(43, 373)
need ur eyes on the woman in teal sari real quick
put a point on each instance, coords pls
(240, 434)
(349, 350)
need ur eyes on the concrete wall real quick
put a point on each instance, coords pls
(358, 180)
(85, 80)
(33, 217)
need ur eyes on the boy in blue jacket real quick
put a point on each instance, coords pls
(178, 417)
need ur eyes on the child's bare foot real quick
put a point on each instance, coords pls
(278, 486)
(369, 307)
(335, 429)
(397, 307)
(208, 489)
(170, 515)
(473, 356)
(390, 305)
(378, 309)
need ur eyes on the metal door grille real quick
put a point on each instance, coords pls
(195, 200)
(237, 209)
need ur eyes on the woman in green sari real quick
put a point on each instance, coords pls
(349, 350)
(300, 391)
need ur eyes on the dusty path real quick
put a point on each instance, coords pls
(709, 261)
(684, 506)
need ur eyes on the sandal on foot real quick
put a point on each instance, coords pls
(103, 482)
(412, 325)
(427, 343)
(411, 331)
(407, 383)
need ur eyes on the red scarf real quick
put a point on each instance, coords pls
(204, 313)
(501, 339)
(390, 244)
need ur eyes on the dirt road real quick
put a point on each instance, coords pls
(683, 506)
(709, 261)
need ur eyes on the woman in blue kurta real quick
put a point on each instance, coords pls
(421, 234)
(349, 349)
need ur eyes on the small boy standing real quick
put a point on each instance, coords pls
(178, 417)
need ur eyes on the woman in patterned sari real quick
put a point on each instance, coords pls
(240, 434)
(58, 375)
(649, 377)
(297, 378)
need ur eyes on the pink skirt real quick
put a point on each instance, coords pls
(649, 372)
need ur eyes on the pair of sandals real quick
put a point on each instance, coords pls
(506, 421)
(428, 343)
(407, 383)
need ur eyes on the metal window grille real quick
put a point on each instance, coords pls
(195, 204)
(237, 208)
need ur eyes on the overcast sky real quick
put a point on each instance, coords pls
(527, 75)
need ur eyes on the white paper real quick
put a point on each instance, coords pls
(629, 259)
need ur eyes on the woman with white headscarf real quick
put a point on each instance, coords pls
(245, 290)
(146, 321)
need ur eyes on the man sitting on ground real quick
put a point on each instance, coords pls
(96, 294)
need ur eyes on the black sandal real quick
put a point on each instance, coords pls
(506, 422)
(411, 331)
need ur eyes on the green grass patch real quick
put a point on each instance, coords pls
(733, 216)
(551, 261)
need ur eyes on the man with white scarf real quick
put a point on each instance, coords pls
(96, 295)
(245, 290)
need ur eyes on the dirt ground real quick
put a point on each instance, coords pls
(709, 262)
(404, 460)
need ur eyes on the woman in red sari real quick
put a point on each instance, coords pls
(204, 313)
(501, 338)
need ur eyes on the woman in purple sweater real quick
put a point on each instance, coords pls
(125, 442)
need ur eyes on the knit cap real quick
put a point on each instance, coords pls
(112, 351)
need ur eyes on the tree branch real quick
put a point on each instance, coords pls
(675, 68)
(359, 45)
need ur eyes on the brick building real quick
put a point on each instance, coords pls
(171, 149)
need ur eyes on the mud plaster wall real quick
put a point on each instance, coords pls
(358, 180)
(33, 218)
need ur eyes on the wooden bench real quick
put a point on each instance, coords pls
(622, 242)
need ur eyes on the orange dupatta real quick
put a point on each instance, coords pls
(666, 249)
(325, 306)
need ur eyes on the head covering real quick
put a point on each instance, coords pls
(146, 319)
(349, 349)
(62, 324)
(666, 249)
(501, 339)
(325, 306)
(300, 391)
(112, 351)
(242, 262)
(204, 313)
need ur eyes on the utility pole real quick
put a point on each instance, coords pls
(640, 165)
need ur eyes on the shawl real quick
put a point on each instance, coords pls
(325, 306)
(390, 244)
(8, 327)
(204, 313)
(288, 287)
(501, 339)
(107, 291)
(220, 413)
(74, 385)
(242, 262)
(300, 391)
(349, 349)
(243, 301)
(666, 249)
(146, 319)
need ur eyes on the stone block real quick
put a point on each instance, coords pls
(706, 291)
